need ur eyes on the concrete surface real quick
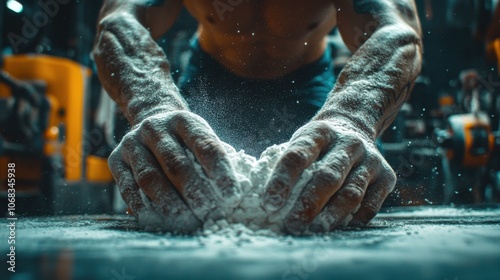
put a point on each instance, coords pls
(403, 243)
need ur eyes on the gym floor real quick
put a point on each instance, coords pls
(432, 242)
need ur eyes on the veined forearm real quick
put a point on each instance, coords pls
(377, 80)
(132, 67)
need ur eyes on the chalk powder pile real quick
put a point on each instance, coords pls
(252, 174)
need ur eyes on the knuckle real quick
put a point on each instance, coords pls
(343, 157)
(330, 174)
(210, 146)
(145, 176)
(362, 175)
(153, 125)
(315, 131)
(355, 143)
(385, 182)
(368, 211)
(132, 199)
(122, 179)
(180, 116)
(116, 165)
(339, 160)
(302, 142)
(353, 193)
(189, 122)
(126, 190)
(209, 151)
(387, 174)
(130, 147)
(295, 157)
(148, 125)
(177, 164)
(152, 131)
(373, 161)
(322, 127)
(164, 147)
(278, 187)
(203, 202)
(128, 142)
(114, 159)
(392, 178)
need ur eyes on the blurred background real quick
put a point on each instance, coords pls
(58, 126)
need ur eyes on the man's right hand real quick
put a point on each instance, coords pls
(156, 158)
(154, 164)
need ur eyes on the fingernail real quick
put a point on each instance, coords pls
(347, 220)
(357, 223)
(322, 222)
(329, 219)
(274, 197)
(273, 202)
(295, 225)
(230, 191)
(316, 228)
(232, 196)
(216, 214)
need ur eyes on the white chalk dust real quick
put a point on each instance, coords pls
(249, 214)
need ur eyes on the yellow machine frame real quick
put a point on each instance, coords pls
(66, 83)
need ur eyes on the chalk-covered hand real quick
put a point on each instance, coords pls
(351, 182)
(156, 159)
(154, 164)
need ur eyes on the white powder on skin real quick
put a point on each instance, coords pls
(180, 219)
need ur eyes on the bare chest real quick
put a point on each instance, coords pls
(279, 18)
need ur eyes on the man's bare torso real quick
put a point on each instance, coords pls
(263, 39)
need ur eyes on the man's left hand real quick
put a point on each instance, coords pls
(348, 187)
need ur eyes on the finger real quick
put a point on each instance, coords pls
(124, 179)
(374, 197)
(346, 200)
(181, 171)
(305, 147)
(176, 215)
(326, 181)
(211, 155)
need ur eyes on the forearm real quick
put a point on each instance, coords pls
(132, 68)
(377, 80)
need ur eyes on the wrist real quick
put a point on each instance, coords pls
(138, 110)
(120, 7)
(349, 121)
